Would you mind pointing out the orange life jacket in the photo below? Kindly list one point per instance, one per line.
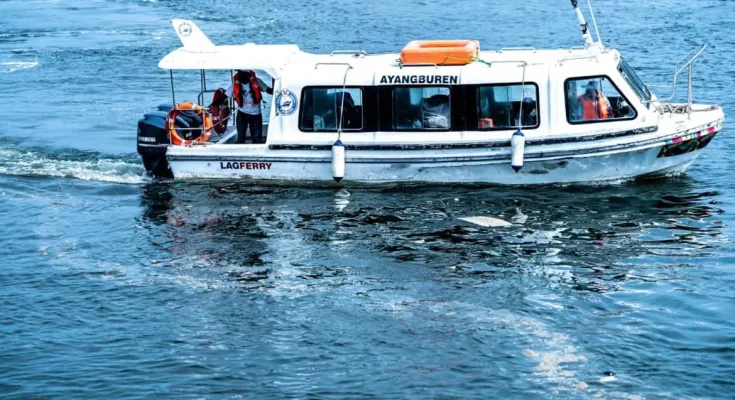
(237, 80)
(486, 123)
(589, 113)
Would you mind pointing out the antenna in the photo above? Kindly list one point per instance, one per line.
(594, 22)
(583, 25)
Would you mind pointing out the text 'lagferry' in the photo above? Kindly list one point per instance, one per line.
(244, 165)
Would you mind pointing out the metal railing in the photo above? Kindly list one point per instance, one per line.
(577, 58)
(517, 49)
(349, 52)
(686, 64)
(402, 65)
(348, 65)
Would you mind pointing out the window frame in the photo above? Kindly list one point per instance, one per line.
(635, 82)
(393, 108)
(603, 121)
(363, 127)
(476, 125)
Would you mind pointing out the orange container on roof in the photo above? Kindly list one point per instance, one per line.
(440, 52)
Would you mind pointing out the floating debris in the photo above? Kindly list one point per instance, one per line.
(608, 377)
(487, 222)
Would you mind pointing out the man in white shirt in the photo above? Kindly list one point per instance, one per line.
(247, 90)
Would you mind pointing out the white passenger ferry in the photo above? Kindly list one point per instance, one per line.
(438, 112)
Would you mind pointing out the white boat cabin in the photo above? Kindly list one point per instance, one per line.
(386, 102)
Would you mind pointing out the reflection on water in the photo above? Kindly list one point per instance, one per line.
(589, 231)
(394, 271)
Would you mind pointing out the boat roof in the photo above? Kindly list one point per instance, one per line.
(199, 53)
(269, 58)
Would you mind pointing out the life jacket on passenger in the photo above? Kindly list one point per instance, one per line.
(592, 113)
(486, 123)
(242, 77)
(220, 111)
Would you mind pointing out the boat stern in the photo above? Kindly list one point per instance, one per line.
(153, 142)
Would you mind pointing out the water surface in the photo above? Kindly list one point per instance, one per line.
(113, 285)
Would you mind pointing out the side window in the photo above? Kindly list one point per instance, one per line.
(322, 107)
(421, 108)
(596, 99)
(504, 106)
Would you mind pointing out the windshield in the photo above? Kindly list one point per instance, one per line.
(635, 82)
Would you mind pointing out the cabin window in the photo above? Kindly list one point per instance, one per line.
(322, 107)
(421, 108)
(507, 106)
(634, 81)
(596, 99)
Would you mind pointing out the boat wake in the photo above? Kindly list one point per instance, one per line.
(13, 66)
(75, 164)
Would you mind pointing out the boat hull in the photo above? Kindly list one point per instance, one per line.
(601, 168)
(650, 154)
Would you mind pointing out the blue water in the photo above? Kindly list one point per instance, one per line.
(115, 286)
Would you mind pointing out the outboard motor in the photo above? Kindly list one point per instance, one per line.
(153, 141)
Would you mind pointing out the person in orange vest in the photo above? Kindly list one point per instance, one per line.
(593, 105)
(247, 90)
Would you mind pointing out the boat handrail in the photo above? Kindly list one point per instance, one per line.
(521, 48)
(401, 65)
(686, 64)
(348, 65)
(353, 52)
(200, 97)
(577, 58)
(522, 63)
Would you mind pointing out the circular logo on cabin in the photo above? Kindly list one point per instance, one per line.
(286, 102)
(185, 29)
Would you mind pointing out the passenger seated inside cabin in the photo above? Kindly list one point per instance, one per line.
(527, 112)
(436, 112)
(322, 109)
(593, 104)
(600, 101)
(421, 108)
(500, 106)
(351, 114)
(325, 113)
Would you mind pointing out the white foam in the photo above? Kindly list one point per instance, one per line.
(557, 359)
(24, 163)
(12, 66)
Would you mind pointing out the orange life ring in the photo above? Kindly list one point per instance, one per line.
(220, 117)
(440, 52)
(177, 139)
(220, 111)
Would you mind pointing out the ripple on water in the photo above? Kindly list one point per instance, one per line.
(113, 285)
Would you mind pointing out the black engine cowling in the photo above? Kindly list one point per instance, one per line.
(153, 141)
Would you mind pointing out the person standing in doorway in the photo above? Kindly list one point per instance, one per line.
(247, 90)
